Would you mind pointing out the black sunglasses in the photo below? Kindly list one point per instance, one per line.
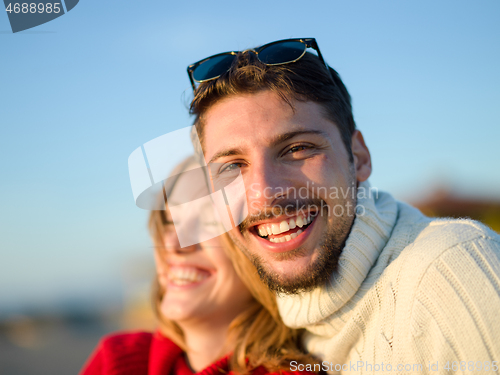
(284, 51)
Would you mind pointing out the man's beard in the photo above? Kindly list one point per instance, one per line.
(330, 247)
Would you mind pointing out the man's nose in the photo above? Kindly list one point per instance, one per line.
(265, 185)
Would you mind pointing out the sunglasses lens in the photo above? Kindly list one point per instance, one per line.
(213, 67)
(281, 53)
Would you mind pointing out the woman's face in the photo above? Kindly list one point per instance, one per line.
(201, 284)
(200, 281)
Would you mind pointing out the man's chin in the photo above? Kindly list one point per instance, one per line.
(298, 270)
(293, 272)
(289, 266)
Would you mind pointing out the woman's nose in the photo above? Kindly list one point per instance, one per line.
(172, 244)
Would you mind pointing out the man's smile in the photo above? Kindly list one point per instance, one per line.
(283, 234)
(284, 230)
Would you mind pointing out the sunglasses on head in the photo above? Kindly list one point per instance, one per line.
(284, 51)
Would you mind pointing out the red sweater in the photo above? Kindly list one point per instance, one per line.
(143, 353)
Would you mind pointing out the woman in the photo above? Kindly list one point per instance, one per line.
(215, 315)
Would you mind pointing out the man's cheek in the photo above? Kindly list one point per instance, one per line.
(236, 235)
(240, 241)
(254, 206)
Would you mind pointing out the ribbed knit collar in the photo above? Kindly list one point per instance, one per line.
(369, 234)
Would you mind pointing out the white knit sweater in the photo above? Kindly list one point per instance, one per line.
(409, 290)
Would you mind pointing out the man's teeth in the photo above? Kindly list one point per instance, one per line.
(286, 238)
(278, 228)
(184, 276)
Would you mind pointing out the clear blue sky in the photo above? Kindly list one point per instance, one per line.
(79, 94)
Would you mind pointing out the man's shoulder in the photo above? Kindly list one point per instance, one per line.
(440, 235)
(429, 242)
(448, 257)
(459, 230)
(416, 234)
(451, 276)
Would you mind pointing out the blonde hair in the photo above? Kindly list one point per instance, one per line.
(257, 336)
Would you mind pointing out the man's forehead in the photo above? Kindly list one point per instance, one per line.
(265, 105)
(239, 120)
(243, 145)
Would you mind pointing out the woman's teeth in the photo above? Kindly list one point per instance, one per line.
(185, 275)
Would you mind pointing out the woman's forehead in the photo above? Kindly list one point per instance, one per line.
(190, 185)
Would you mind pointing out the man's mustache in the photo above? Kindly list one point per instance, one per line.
(285, 207)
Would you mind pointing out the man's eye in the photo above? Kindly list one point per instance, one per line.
(230, 168)
(297, 149)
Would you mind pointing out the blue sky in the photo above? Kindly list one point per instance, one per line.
(80, 93)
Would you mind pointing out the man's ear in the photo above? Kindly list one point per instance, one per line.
(362, 158)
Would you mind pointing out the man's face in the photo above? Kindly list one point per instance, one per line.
(300, 184)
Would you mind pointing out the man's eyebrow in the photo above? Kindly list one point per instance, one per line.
(280, 138)
(230, 152)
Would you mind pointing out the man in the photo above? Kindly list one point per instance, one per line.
(377, 285)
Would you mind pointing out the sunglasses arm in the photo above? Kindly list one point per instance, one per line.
(316, 47)
(190, 74)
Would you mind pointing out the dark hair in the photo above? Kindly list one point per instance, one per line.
(304, 80)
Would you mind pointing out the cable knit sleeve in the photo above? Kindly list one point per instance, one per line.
(455, 313)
